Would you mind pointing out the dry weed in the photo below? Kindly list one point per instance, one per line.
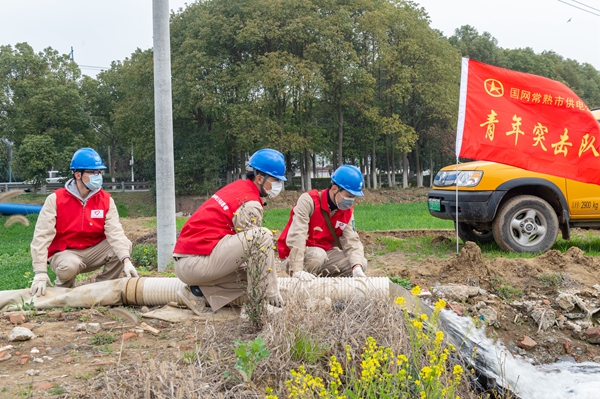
(208, 370)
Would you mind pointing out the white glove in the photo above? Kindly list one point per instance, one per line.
(304, 276)
(129, 269)
(358, 272)
(276, 300)
(38, 286)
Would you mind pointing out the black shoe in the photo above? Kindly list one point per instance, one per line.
(194, 289)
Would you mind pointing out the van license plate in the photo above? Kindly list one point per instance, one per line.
(434, 204)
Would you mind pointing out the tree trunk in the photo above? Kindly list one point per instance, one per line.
(393, 166)
(387, 163)
(307, 169)
(373, 163)
(366, 167)
(404, 170)
(431, 169)
(419, 167)
(302, 172)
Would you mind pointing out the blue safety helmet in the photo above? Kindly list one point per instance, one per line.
(86, 158)
(350, 179)
(270, 162)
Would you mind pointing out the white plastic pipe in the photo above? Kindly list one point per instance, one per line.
(157, 291)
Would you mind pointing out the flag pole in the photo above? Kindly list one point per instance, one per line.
(464, 74)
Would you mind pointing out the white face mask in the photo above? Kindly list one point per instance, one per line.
(95, 182)
(276, 187)
(345, 204)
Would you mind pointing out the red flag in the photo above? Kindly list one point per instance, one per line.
(527, 121)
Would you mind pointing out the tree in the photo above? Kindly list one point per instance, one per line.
(40, 96)
(34, 158)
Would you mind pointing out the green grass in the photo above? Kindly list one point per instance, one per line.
(416, 248)
(368, 217)
(16, 271)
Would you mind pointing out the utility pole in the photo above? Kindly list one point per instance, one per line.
(163, 116)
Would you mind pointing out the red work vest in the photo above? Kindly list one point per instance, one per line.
(213, 220)
(319, 234)
(79, 226)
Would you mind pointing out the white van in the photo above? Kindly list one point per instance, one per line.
(54, 177)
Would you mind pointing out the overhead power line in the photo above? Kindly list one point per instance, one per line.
(579, 8)
(585, 5)
(99, 68)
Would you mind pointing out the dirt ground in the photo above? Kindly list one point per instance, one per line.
(554, 299)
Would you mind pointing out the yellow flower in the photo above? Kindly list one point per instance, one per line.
(416, 290)
(235, 213)
(439, 305)
(424, 317)
(249, 238)
(400, 300)
(270, 269)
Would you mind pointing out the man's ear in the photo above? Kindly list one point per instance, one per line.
(77, 175)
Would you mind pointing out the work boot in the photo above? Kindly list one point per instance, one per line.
(194, 303)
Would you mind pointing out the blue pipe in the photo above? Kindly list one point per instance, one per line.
(9, 208)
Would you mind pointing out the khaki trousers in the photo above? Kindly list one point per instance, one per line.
(332, 263)
(69, 263)
(222, 275)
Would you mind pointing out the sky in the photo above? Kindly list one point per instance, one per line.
(540, 24)
(102, 31)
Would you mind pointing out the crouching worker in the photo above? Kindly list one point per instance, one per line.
(211, 253)
(78, 230)
(320, 238)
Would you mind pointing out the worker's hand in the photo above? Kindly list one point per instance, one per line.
(304, 276)
(129, 269)
(276, 300)
(38, 286)
(358, 271)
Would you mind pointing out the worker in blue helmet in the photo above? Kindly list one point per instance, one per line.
(78, 230)
(320, 238)
(212, 252)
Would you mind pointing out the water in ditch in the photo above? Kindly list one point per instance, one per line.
(515, 376)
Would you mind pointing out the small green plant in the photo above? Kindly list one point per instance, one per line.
(189, 357)
(84, 318)
(505, 291)
(106, 349)
(67, 309)
(27, 306)
(248, 355)
(102, 339)
(25, 392)
(56, 390)
(306, 348)
(552, 279)
(402, 282)
(145, 256)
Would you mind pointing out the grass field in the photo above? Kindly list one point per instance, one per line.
(369, 217)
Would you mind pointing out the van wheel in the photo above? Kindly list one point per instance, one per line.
(525, 224)
(466, 232)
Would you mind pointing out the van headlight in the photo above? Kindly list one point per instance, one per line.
(466, 178)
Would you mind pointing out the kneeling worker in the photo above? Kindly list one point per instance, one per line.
(320, 238)
(212, 250)
(78, 230)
